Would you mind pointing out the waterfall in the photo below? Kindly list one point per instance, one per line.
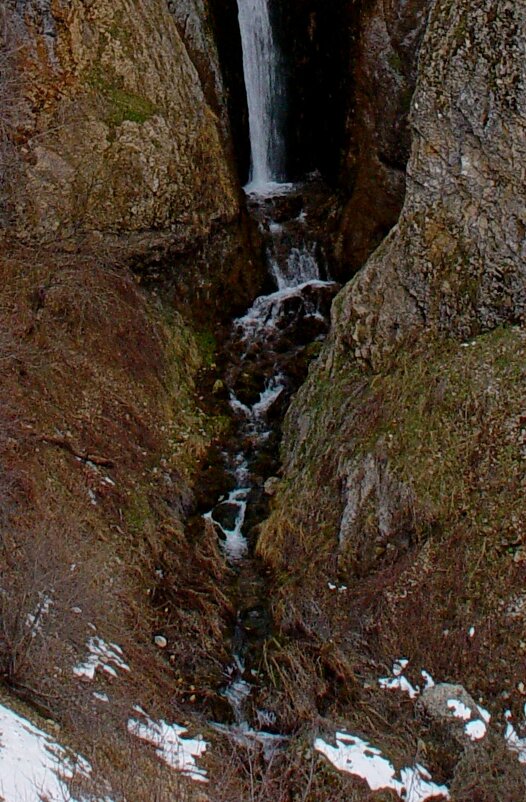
(265, 89)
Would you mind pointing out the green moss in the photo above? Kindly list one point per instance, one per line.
(207, 345)
(120, 105)
(138, 514)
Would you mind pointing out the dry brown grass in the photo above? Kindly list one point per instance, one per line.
(99, 438)
(448, 423)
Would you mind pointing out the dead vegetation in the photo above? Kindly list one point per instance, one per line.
(446, 423)
(100, 434)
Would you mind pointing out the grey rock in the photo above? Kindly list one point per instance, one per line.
(436, 702)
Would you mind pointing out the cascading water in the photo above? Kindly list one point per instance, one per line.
(265, 88)
(266, 354)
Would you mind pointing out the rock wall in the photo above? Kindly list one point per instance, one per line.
(119, 133)
(351, 77)
(455, 262)
(385, 43)
(397, 520)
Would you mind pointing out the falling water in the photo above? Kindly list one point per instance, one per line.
(265, 94)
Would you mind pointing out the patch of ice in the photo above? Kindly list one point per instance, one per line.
(471, 632)
(237, 693)
(418, 785)
(476, 729)
(484, 714)
(459, 709)
(32, 766)
(178, 752)
(244, 735)
(102, 697)
(107, 657)
(356, 756)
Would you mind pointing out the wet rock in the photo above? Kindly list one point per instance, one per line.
(226, 515)
(385, 58)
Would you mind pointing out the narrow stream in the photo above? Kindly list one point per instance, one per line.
(267, 356)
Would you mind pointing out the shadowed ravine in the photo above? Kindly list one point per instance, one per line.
(265, 358)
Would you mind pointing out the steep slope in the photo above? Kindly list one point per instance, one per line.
(119, 140)
(403, 453)
(119, 137)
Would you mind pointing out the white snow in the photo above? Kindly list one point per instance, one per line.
(484, 714)
(459, 709)
(356, 756)
(514, 742)
(178, 752)
(429, 682)
(32, 765)
(107, 657)
(398, 682)
(476, 729)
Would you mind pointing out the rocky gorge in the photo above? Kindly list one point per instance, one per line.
(257, 543)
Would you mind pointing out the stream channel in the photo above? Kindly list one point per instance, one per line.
(267, 357)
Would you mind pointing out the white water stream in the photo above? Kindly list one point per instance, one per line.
(268, 328)
(265, 88)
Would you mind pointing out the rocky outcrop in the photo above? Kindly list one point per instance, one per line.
(384, 57)
(115, 128)
(455, 262)
(396, 528)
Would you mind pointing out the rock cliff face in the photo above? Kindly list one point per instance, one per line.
(120, 133)
(352, 73)
(455, 262)
(385, 43)
(403, 451)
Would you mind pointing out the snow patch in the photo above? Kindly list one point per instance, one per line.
(476, 729)
(398, 681)
(107, 657)
(32, 766)
(356, 756)
(459, 709)
(178, 752)
(514, 741)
